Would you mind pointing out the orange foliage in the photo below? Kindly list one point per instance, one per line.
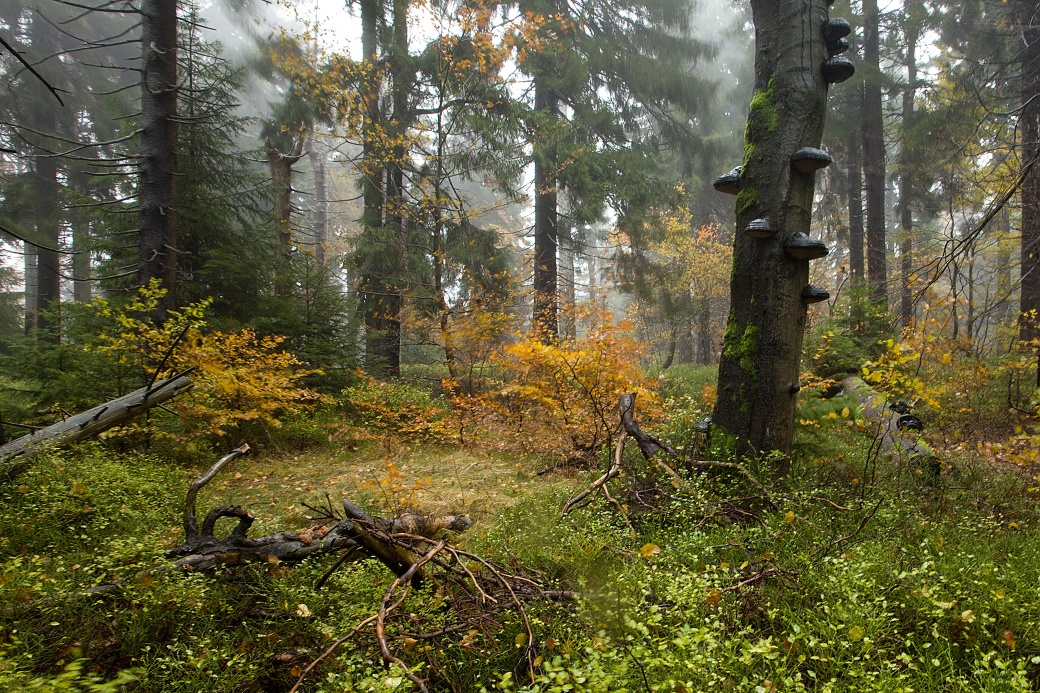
(239, 378)
(562, 398)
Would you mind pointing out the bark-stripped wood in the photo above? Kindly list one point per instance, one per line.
(94, 421)
(904, 445)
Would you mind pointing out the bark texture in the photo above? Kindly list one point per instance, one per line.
(546, 224)
(762, 347)
(94, 421)
(1029, 145)
(874, 156)
(157, 230)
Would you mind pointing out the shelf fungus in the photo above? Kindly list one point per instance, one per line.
(802, 247)
(837, 70)
(837, 47)
(836, 28)
(809, 159)
(760, 228)
(815, 294)
(730, 182)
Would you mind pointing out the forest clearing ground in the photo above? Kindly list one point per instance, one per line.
(388, 479)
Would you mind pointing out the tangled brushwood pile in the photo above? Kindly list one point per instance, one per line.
(474, 591)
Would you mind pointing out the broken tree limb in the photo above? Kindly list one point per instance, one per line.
(357, 531)
(904, 445)
(612, 471)
(648, 444)
(94, 421)
(191, 525)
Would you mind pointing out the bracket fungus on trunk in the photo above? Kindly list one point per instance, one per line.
(760, 228)
(729, 183)
(815, 294)
(810, 159)
(837, 47)
(836, 28)
(837, 70)
(801, 247)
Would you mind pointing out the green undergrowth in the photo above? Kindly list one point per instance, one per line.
(855, 574)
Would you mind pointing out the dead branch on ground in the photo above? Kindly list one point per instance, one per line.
(94, 421)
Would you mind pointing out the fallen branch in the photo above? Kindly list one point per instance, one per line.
(477, 591)
(612, 471)
(384, 609)
(202, 550)
(97, 420)
(648, 444)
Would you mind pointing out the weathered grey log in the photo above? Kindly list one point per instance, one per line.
(901, 445)
(94, 421)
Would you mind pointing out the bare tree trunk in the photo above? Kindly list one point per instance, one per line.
(372, 281)
(906, 209)
(705, 352)
(855, 170)
(546, 225)
(874, 156)
(94, 421)
(1029, 147)
(280, 165)
(32, 294)
(157, 231)
(762, 350)
(81, 268)
(569, 317)
(1004, 288)
(47, 193)
(317, 152)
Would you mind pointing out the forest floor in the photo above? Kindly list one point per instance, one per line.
(855, 574)
(388, 478)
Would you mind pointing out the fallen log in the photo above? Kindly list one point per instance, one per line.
(94, 421)
(902, 444)
(356, 529)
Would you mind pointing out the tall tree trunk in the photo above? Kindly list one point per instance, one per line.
(704, 341)
(673, 339)
(157, 230)
(874, 156)
(317, 152)
(81, 244)
(32, 301)
(568, 297)
(906, 208)
(280, 164)
(401, 73)
(1004, 288)
(1029, 146)
(371, 281)
(855, 171)
(48, 225)
(762, 348)
(47, 192)
(546, 230)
